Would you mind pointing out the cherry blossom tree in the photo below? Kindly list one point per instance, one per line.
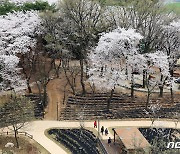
(32, 1)
(18, 31)
(108, 61)
(170, 45)
(117, 58)
(147, 17)
(160, 61)
(85, 20)
(18, 35)
(136, 65)
(9, 75)
(157, 72)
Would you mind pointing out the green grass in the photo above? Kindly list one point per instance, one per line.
(175, 7)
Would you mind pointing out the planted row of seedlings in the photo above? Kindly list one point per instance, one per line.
(159, 138)
(76, 140)
(117, 111)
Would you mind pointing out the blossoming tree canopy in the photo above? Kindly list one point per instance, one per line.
(170, 44)
(107, 59)
(160, 60)
(17, 31)
(9, 72)
(17, 35)
(31, 1)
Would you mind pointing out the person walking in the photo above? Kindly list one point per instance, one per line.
(95, 124)
(106, 131)
(102, 130)
(109, 141)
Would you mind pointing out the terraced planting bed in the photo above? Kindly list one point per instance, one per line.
(76, 140)
(159, 139)
(94, 106)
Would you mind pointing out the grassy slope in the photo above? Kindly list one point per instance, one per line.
(174, 7)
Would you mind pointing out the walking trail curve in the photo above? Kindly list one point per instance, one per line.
(37, 129)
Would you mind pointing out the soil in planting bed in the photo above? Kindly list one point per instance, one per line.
(159, 139)
(94, 106)
(76, 140)
(27, 146)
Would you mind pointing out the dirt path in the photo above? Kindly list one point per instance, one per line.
(55, 98)
(55, 92)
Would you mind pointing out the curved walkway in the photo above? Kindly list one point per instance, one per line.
(37, 129)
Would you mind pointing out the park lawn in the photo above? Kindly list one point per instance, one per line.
(27, 145)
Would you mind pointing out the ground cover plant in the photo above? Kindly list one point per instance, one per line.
(93, 106)
(159, 139)
(76, 140)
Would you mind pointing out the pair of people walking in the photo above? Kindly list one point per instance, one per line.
(104, 131)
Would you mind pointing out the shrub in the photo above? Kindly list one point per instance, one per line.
(7, 7)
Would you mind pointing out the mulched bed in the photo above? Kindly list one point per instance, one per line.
(160, 137)
(91, 107)
(25, 146)
(76, 140)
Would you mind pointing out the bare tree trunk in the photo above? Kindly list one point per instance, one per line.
(110, 99)
(82, 77)
(148, 99)
(45, 93)
(44, 96)
(39, 90)
(15, 135)
(87, 68)
(132, 87)
(69, 82)
(29, 87)
(171, 90)
(144, 78)
(172, 95)
(161, 88)
(126, 73)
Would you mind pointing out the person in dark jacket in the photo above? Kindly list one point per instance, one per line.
(109, 141)
(102, 130)
(106, 131)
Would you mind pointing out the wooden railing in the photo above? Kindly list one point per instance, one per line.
(21, 133)
(102, 147)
